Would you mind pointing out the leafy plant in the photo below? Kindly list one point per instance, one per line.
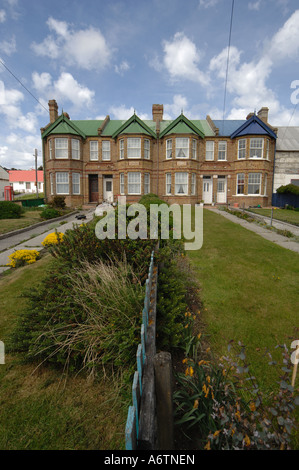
(10, 210)
(21, 257)
(49, 213)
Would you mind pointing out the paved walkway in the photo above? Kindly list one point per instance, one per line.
(32, 238)
(274, 237)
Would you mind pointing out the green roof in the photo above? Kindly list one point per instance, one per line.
(133, 125)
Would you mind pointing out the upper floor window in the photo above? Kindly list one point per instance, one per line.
(210, 150)
(194, 149)
(93, 150)
(169, 149)
(121, 149)
(106, 150)
(182, 147)
(133, 147)
(50, 148)
(241, 149)
(75, 149)
(256, 148)
(221, 150)
(147, 149)
(61, 148)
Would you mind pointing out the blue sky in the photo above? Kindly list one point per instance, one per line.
(113, 57)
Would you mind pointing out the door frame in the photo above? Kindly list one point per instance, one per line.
(222, 178)
(92, 178)
(207, 179)
(105, 180)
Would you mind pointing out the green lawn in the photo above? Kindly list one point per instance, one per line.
(249, 288)
(40, 409)
(284, 215)
(29, 217)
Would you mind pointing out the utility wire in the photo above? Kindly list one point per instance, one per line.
(227, 65)
(16, 78)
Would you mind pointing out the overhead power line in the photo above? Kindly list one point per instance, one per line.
(19, 81)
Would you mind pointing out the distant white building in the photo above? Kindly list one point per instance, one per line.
(286, 169)
(24, 181)
(4, 181)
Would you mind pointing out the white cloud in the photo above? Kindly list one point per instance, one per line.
(254, 5)
(123, 113)
(65, 88)
(174, 109)
(285, 43)
(86, 48)
(8, 47)
(122, 68)
(2, 16)
(181, 59)
(208, 3)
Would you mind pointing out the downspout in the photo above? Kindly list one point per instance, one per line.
(273, 173)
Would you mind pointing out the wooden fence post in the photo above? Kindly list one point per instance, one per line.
(163, 381)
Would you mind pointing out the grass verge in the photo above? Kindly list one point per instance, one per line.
(41, 409)
(284, 215)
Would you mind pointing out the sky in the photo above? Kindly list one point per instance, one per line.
(119, 57)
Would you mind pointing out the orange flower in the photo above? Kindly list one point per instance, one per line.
(247, 441)
(252, 406)
(195, 404)
(207, 446)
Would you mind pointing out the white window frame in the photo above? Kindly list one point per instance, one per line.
(193, 184)
(254, 148)
(146, 183)
(168, 183)
(136, 183)
(106, 150)
(240, 183)
(222, 150)
(63, 149)
(122, 183)
(50, 149)
(76, 184)
(210, 151)
(93, 150)
(168, 149)
(182, 148)
(194, 149)
(268, 150)
(254, 180)
(121, 149)
(241, 149)
(147, 149)
(51, 184)
(265, 184)
(59, 175)
(133, 147)
(180, 184)
(75, 149)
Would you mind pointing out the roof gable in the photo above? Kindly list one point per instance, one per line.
(254, 126)
(182, 125)
(63, 125)
(134, 125)
(25, 175)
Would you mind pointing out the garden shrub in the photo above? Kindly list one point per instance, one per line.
(288, 189)
(22, 257)
(52, 239)
(57, 202)
(49, 213)
(85, 318)
(10, 210)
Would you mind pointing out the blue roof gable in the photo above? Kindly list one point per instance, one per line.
(254, 126)
(227, 127)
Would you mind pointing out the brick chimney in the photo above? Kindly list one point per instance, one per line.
(53, 110)
(157, 112)
(263, 115)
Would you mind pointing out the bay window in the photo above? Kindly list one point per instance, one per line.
(61, 148)
(168, 149)
(75, 149)
(240, 183)
(256, 148)
(146, 149)
(62, 183)
(134, 182)
(133, 147)
(242, 149)
(182, 147)
(181, 184)
(76, 183)
(146, 183)
(254, 183)
(168, 183)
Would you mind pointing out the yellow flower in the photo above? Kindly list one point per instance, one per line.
(195, 404)
(198, 336)
(208, 379)
(247, 441)
(237, 415)
(252, 406)
(52, 239)
(207, 446)
(216, 433)
(184, 361)
(189, 371)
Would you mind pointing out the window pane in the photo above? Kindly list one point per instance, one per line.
(254, 183)
(209, 150)
(93, 150)
(242, 148)
(181, 183)
(134, 148)
(75, 149)
(61, 148)
(146, 183)
(222, 151)
(121, 149)
(256, 148)
(240, 183)
(169, 148)
(62, 183)
(182, 148)
(76, 183)
(106, 150)
(168, 183)
(122, 183)
(147, 149)
(134, 183)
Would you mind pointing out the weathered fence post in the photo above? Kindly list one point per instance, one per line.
(164, 406)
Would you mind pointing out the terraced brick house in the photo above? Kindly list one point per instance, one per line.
(181, 160)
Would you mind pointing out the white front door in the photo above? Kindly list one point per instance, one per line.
(221, 190)
(108, 190)
(207, 192)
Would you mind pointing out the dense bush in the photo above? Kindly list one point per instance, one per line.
(49, 213)
(288, 189)
(10, 210)
(57, 202)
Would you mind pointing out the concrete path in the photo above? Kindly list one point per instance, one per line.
(274, 237)
(32, 238)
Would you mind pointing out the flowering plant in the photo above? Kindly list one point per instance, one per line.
(22, 257)
(52, 239)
